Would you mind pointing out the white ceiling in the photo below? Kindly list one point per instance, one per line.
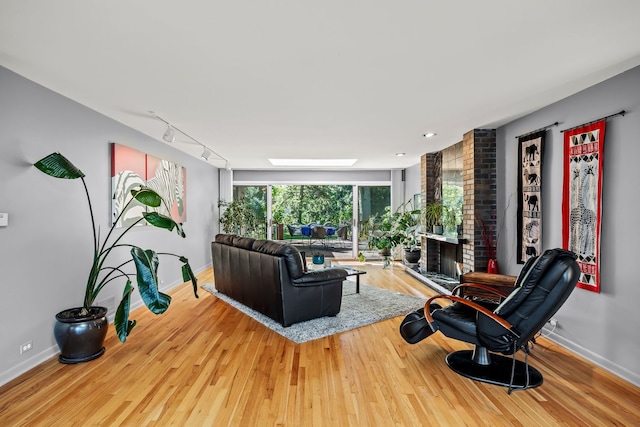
(257, 79)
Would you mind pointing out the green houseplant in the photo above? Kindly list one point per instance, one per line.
(365, 230)
(238, 217)
(434, 215)
(407, 224)
(74, 345)
(383, 236)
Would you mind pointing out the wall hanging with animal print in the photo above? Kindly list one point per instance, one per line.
(131, 168)
(530, 155)
(582, 196)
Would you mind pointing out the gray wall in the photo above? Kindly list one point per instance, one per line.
(412, 182)
(46, 250)
(602, 327)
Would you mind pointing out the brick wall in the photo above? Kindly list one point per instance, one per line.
(479, 176)
(479, 199)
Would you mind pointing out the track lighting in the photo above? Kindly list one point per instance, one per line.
(169, 134)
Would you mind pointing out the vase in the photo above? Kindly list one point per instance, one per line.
(80, 339)
(318, 259)
(492, 266)
(412, 257)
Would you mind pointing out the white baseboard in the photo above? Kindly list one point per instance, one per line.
(46, 354)
(595, 358)
(28, 364)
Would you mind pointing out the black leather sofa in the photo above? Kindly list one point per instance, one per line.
(270, 277)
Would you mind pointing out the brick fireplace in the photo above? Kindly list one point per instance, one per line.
(442, 255)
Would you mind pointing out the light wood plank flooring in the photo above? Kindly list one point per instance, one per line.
(204, 363)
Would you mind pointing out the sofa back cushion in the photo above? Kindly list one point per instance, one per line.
(226, 239)
(290, 254)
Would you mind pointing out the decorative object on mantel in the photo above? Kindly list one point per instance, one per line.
(529, 219)
(80, 331)
(490, 245)
(433, 215)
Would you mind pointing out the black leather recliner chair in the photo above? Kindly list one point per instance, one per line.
(543, 285)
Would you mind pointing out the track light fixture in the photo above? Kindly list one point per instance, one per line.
(169, 136)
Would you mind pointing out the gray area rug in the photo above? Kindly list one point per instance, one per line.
(371, 305)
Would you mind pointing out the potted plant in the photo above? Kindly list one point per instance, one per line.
(80, 331)
(383, 236)
(433, 216)
(408, 225)
(238, 217)
(365, 230)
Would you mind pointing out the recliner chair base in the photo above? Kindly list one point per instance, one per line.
(497, 372)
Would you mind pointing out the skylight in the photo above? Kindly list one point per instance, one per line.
(313, 162)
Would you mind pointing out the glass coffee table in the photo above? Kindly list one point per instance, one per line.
(350, 272)
(354, 272)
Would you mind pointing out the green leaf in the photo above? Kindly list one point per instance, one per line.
(147, 197)
(187, 274)
(147, 276)
(121, 321)
(58, 166)
(163, 221)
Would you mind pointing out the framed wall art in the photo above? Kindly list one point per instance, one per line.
(131, 168)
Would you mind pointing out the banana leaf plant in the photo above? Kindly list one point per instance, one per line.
(146, 261)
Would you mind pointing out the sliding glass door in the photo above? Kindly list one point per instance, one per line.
(286, 210)
(371, 203)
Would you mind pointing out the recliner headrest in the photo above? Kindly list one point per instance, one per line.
(528, 279)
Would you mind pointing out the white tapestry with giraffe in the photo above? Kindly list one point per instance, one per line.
(581, 208)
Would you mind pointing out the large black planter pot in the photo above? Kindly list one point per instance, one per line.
(80, 339)
(412, 257)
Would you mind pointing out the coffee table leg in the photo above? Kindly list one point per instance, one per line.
(357, 283)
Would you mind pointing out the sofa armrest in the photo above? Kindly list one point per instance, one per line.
(320, 277)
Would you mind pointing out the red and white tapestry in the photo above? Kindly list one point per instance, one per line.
(582, 199)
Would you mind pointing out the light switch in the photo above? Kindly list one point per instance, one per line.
(4, 219)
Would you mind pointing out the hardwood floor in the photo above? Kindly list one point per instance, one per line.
(204, 363)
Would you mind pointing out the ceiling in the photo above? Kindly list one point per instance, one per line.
(254, 79)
